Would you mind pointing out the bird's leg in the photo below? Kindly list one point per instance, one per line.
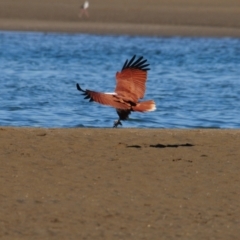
(116, 123)
(80, 13)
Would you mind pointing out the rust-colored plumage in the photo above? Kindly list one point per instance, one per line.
(130, 87)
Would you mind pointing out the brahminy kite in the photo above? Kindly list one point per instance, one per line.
(130, 87)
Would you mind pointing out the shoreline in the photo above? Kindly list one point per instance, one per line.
(217, 18)
(151, 30)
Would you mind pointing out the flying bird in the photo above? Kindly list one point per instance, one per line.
(130, 87)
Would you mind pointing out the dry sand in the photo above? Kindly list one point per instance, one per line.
(119, 184)
(134, 17)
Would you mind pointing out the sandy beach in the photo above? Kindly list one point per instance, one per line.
(120, 183)
(216, 18)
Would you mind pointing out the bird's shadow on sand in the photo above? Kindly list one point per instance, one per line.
(163, 145)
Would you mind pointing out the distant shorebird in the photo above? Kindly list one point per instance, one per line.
(130, 87)
(83, 9)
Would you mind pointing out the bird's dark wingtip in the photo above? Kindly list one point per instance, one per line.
(79, 88)
(140, 63)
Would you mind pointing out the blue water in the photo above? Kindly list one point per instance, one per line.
(194, 81)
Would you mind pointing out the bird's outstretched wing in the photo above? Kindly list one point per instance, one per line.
(104, 98)
(131, 81)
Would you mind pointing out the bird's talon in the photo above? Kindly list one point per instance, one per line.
(116, 123)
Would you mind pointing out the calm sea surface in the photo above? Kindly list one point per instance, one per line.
(194, 81)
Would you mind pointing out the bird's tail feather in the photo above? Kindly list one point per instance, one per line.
(145, 106)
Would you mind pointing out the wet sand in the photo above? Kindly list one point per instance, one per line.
(119, 184)
(220, 18)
